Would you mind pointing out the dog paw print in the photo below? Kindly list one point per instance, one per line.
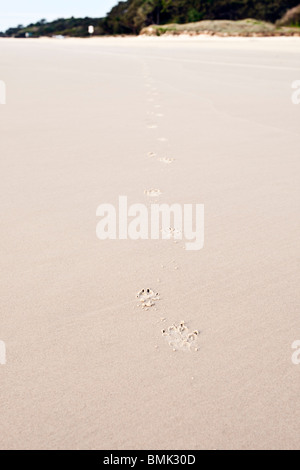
(147, 298)
(152, 192)
(171, 232)
(151, 154)
(180, 337)
(165, 160)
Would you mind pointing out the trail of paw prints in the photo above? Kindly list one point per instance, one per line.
(152, 95)
(156, 112)
(180, 338)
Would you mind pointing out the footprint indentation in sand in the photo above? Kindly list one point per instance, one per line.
(180, 337)
(151, 154)
(171, 232)
(147, 298)
(165, 160)
(152, 192)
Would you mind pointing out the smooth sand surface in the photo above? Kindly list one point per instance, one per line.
(86, 368)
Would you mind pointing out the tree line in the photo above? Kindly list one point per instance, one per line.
(129, 17)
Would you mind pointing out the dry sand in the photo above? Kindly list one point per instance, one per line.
(86, 368)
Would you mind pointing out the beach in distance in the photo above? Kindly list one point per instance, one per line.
(124, 343)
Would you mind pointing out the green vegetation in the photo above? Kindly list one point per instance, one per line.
(77, 27)
(246, 27)
(131, 16)
(291, 18)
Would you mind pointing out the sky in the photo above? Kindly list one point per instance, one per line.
(15, 12)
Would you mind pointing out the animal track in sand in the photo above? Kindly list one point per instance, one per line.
(171, 232)
(152, 192)
(180, 337)
(147, 298)
(166, 160)
(151, 154)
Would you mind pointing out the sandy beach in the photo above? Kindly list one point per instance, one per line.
(200, 120)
